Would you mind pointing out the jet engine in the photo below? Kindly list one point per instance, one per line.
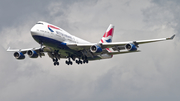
(131, 47)
(19, 55)
(95, 49)
(32, 54)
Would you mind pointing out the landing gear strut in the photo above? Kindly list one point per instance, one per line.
(56, 57)
(85, 60)
(41, 49)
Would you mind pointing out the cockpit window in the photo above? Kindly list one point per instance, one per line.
(39, 23)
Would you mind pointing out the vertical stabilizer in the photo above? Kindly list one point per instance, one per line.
(107, 37)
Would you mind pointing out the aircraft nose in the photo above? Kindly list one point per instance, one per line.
(33, 30)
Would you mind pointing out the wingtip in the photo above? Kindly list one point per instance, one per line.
(172, 37)
(8, 48)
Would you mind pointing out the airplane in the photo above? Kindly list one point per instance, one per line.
(59, 44)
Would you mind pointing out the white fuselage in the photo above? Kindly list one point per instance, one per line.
(56, 38)
(41, 29)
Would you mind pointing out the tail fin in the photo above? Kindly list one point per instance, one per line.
(107, 37)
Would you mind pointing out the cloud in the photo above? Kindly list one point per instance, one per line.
(163, 13)
(149, 75)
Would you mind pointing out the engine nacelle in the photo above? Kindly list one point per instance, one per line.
(95, 49)
(19, 55)
(131, 47)
(32, 54)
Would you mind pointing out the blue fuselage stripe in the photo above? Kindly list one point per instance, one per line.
(50, 42)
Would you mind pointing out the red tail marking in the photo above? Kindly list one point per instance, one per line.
(109, 33)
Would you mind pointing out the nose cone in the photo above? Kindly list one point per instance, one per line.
(35, 33)
(33, 30)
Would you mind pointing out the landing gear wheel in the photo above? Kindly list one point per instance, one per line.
(69, 62)
(54, 63)
(86, 61)
(57, 63)
(54, 60)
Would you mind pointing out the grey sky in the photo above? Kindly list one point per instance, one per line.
(152, 75)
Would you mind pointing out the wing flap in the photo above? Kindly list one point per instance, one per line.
(79, 47)
(122, 52)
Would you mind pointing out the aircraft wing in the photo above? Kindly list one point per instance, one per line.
(110, 45)
(122, 52)
(115, 45)
(22, 50)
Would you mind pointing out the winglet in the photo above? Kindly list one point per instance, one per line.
(172, 37)
(8, 48)
(12, 50)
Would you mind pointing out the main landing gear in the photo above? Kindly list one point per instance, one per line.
(55, 57)
(79, 61)
(69, 62)
(55, 61)
(84, 60)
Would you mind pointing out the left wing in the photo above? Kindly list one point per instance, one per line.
(22, 50)
(32, 52)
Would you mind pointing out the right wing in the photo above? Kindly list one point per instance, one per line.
(122, 52)
(114, 45)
